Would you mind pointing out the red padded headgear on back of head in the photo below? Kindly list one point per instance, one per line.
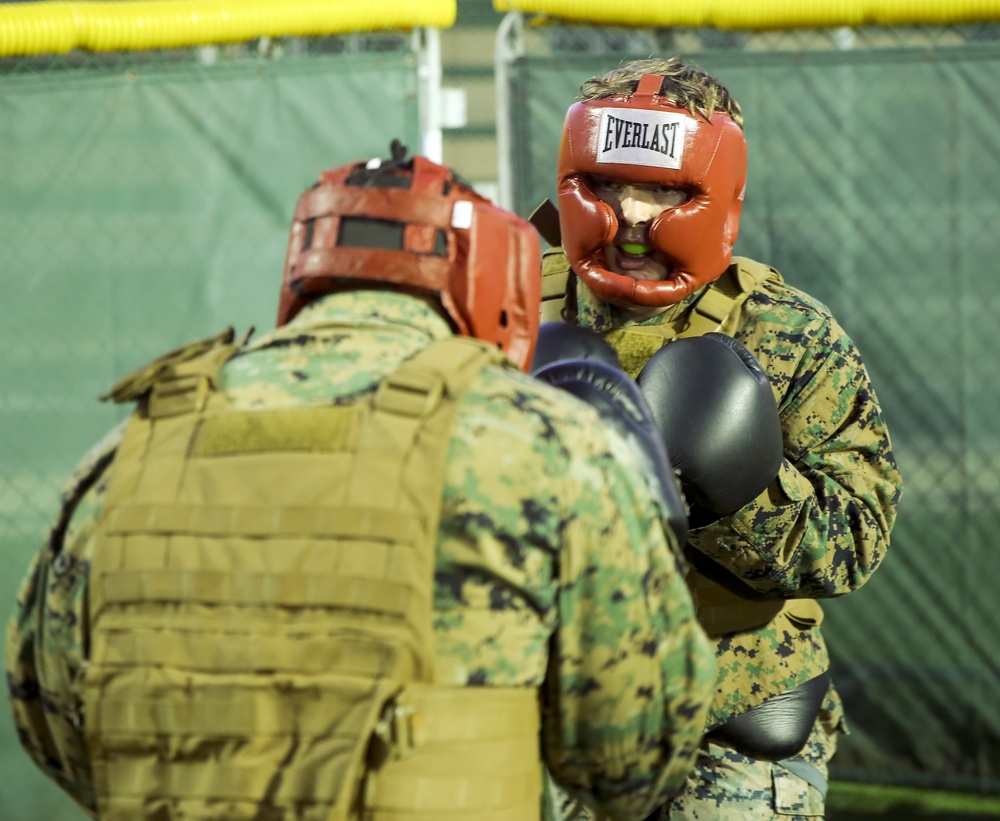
(643, 138)
(412, 224)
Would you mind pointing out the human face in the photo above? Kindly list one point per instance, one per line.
(635, 206)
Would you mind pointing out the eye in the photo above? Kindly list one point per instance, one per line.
(607, 186)
(670, 196)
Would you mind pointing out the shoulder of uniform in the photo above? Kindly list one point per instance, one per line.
(749, 273)
(214, 350)
(556, 410)
(788, 305)
(718, 306)
(85, 475)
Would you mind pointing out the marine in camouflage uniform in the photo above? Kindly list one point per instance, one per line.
(820, 532)
(822, 526)
(552, 569)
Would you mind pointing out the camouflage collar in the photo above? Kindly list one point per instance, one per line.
(603, 317)
(373, 310)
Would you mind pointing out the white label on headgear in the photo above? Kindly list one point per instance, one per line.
(461, 214)
(637, 137)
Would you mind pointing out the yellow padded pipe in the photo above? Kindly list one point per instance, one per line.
(762, 14)
(58, 27)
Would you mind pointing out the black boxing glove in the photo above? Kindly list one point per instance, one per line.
(560, 340)
(715, 411)
(620, 403)
(778, 727)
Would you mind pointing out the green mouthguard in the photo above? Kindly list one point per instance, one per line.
(634, 248)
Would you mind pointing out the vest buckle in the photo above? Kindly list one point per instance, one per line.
(413, 393)
(179, 394)
(395, 729)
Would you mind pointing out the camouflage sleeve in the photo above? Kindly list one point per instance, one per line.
(555, 572)
(47, 637)
(631, 672)
(823, 527)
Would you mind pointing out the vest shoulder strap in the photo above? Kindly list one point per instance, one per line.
(717, 308)
(545, 218)
(442, 370)
(556, 272)
(86, 474)
(178, 380)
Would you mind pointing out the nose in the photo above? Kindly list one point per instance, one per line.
(635, 212)
(637, 206)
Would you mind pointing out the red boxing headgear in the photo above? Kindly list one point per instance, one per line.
(643, 138)
(413, 224)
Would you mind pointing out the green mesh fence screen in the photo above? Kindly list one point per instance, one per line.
(145, 200)
(874, 174)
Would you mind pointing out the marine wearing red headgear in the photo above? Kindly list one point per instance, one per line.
(644, 138)
(412, 224)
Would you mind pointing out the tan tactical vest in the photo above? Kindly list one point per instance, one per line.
(720, 610)
(261, 595)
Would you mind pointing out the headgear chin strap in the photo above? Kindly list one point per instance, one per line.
(643, 138)
(412, 224)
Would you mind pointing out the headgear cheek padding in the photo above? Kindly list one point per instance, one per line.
(587, 224)
(646, 139)
(698, 236)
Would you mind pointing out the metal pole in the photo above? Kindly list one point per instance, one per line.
(509, 46)
(427, 43)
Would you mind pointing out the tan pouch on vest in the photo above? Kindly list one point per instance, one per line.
(261, 595)
(721, 611)
(469, 753)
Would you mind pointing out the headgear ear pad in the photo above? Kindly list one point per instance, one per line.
(643, 138)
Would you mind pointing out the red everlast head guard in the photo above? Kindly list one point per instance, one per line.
(645, 138)
(412, 224)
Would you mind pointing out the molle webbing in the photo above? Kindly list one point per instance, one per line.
(717, 310)
(469, 753)
(261, 596)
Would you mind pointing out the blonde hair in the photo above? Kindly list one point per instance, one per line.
(685, 85)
